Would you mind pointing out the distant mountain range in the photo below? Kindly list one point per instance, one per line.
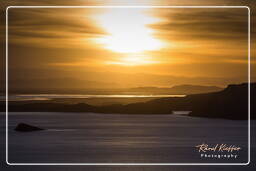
(183, 89)
(178, 89)
(67, 82)
(230, 103)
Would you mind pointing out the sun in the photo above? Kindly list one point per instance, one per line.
(128, 32)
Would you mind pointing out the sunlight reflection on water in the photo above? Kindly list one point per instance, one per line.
(25, 97)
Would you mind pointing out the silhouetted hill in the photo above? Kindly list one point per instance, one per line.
(230, 103)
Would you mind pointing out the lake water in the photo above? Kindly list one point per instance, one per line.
(119, 138)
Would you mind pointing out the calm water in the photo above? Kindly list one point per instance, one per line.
(107, 138)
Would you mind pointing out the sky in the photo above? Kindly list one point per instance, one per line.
(126, 47)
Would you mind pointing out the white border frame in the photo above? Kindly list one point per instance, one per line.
(146, 164)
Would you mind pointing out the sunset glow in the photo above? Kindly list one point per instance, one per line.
(133, 59)
(129, 47)
(127, 82)
(127, 31)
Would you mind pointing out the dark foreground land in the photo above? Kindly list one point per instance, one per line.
(230, 103)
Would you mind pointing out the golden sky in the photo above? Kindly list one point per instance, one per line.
(129, 46)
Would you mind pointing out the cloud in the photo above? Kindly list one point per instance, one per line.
(202, 24)
(51, 26)
(203, 35)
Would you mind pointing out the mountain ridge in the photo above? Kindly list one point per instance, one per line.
(230, 103)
